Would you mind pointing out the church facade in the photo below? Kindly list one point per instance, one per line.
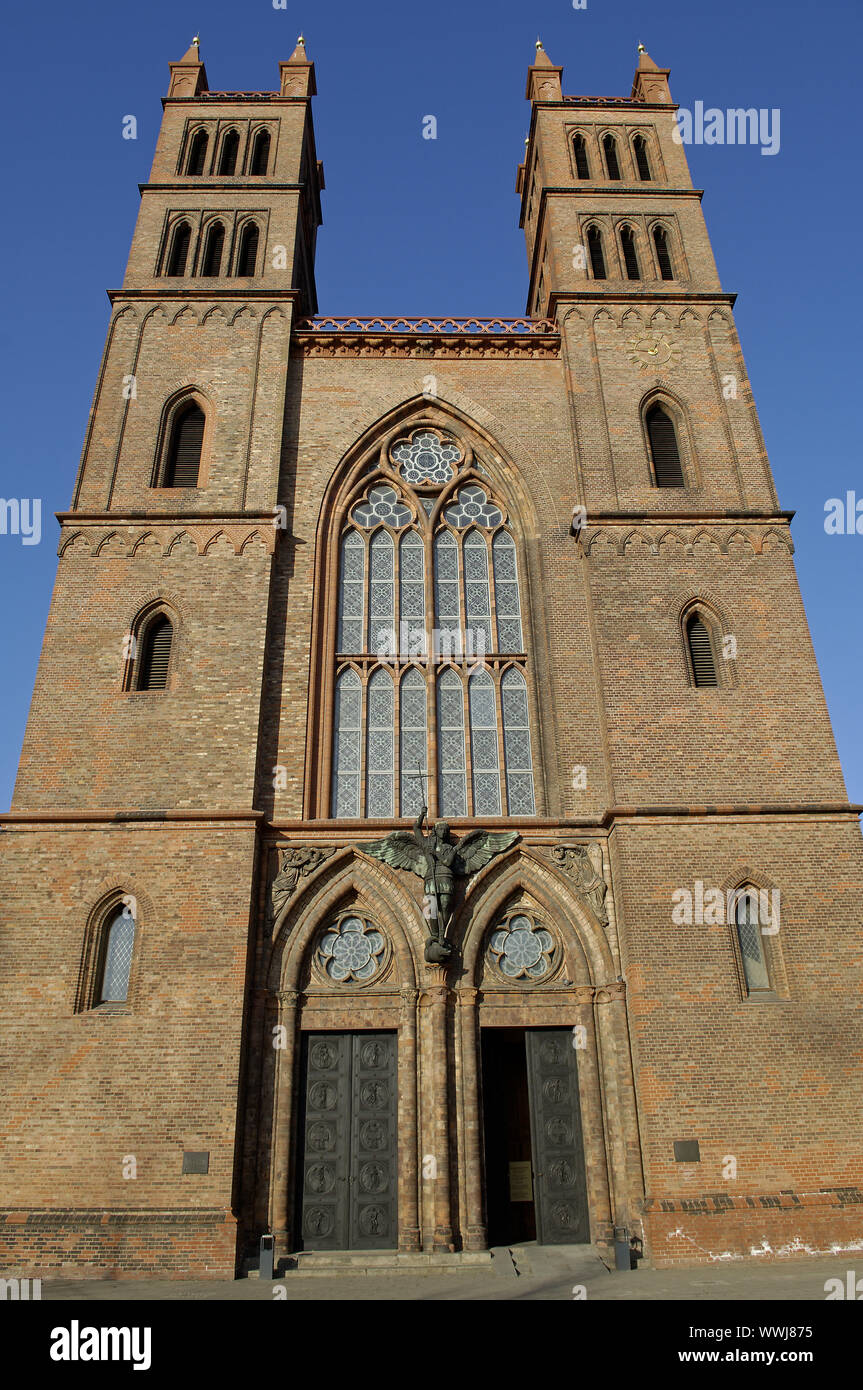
(429, 832)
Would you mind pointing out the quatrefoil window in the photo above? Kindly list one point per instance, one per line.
(424, 458)
(382, 504)
(521, 949)
(473, 508)
(352, 949)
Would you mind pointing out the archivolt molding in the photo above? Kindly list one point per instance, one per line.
(346, 879)
(167, 538)
(656, 538)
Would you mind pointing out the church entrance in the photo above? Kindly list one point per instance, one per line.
(534, 1159)
(348, 1173)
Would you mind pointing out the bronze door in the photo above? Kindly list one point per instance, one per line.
(348, 1173)
(559, 1179)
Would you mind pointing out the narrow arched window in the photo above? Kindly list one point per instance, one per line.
(197, 154)
(380, 745)
(748, 924)
(155, 654)
(213, 248)
(516, 744)
(700, 651)
(664, 452)
(485, 759)
(452, 771)
(639, 146)
(382, 595)
(663, 257)
(260, 154)
(609, 145)
(597, 257)
(228, 156)
(582, 167)
(117, 959)
(179, 251)
(506, 596)
(248, 254)
(414, 740)
(352, 589)
(347, 751)
(630, 256)
(185, 442)
(477, 594)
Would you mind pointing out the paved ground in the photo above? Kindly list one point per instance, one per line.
(523, 1273)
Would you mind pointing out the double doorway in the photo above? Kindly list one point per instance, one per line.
(534, 1167)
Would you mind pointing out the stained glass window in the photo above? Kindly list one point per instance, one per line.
(118, 958)
(452, 773)
(380, 745)
(483, 745)
(346, 753)
(516, 744)
(436, 609)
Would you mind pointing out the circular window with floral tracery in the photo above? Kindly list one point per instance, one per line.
(351, 949)
(522, 949)
(426, 458)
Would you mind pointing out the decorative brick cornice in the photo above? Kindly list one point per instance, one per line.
(125, 534)
(614, 537)
(427, 337)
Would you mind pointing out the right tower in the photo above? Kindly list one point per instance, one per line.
(734, 850)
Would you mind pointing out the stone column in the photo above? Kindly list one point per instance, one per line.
(281, 1182)
(620, 1118)
(438, 996)
(408, 1137)
(475, 1230)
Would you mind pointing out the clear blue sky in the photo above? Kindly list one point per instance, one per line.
(420, 226)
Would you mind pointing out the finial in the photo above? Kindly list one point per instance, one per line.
(301, 40)
(641, 48)
(196, 41)
(526, 141)
(538, 44)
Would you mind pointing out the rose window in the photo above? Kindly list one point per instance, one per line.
(353, 949)
(382, 504)
(472, 507)
(521, 949)
(426, 459)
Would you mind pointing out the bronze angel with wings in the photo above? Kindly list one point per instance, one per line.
(437, 861)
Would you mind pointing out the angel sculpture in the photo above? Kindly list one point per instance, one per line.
(437, 861)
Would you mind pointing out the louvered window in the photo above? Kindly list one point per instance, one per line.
(213, 249)
(630, 256)
(701, 652)
(248, 250)
(155, 655)
(611, 164)
(179, 250)
(197, 154)
(750, 938)
(660, 241)
(639, 145)
(230, 149)
(260, 154)
(663, 448)
(184, 447)
(597, 259)
(114, 986)
(582, 168)
(434, 594)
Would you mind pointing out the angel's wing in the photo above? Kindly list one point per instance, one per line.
(477, 848)
(400, 850)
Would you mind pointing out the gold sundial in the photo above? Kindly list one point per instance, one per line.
(648, 350)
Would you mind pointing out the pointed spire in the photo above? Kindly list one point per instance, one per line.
(189, 76)
(650, 82)
(543, 78)
(298, 73)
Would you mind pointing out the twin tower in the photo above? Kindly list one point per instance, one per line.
(220, 1019)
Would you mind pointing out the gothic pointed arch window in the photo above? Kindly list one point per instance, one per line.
(109, 949)
(178, 252)
(609, 147)
(579, 148)
(197, 154)
(182, 444)
(642, 163)
(228, 154)
(260, 154)
(214, 246)
(664, 448)
(630, 255)
(595, 251)
(247, 256)
(430, 674)
(700, 643)
(116, 962)
(663, 254)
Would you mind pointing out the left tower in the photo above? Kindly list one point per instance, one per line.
(139, 761)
